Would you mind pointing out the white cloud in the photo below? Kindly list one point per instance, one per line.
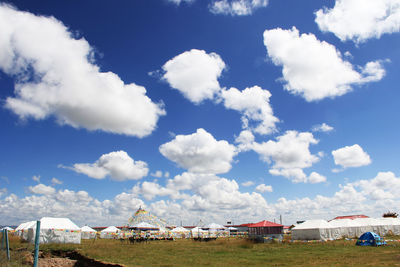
(236, 7)
(178, 2)
(166, 174)
(206, 196)
(55, 76)
(262, 188)
(291, 150)
(42, 189)
(195, 74)
(315, 178)
(245, 140)
(200, 152)
(322, 128)
(118, 165)
(289, 155)
(351, 156)
(360, 20)
(248, 183)
(3, 191)
(157, 174)
(36, 178)
(314, 69)
(254, 104)
(56, 181)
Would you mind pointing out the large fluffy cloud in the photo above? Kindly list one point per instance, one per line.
(289, 155)
(207, 197)
(56, 76)
(118, 165)
(351, 156)
(315, 69)
(359, 20)
(42, 189)
(200, 152)
(254, 104)
(195, 74)
(236, 7)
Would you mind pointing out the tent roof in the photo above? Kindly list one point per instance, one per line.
(265, 224)
(180, 229)
(145, 225)
(54, 223)
(111, 229)
(87, 229)
(351, 217)
(214, 226)
(312, 224)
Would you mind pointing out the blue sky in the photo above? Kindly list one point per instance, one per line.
(213, 110)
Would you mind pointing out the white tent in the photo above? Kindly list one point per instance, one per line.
(22, 229)
(315, 230)
(7, 228)
(180, 229)
(198, 232)
(110, 232)
(88, 233)
(55, 230)
(144, 225)
(214, 226)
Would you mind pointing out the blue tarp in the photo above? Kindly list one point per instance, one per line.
(370, 239)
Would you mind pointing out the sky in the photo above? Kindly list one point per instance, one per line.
(211, 110)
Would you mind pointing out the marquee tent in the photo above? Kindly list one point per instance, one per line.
(180, 232)
(145, 226)
(198, 232)
(55, 230)
(214, 227)
(315, 230)
(88, 233)
(143, 216)
(335, 229)
(110, 232)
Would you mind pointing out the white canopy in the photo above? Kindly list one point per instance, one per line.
(111, 229)
(180, 229)
(88, 229)
(7, 228)
(144, 225)
(55, 230)
(214, 226)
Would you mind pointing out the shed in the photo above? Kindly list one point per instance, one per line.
(264, 229)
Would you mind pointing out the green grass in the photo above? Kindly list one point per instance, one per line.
(227, 252)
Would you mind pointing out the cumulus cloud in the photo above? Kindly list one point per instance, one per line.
(36, 178)
(248, 183)
(157, 174)
(42, 189)
(118, 165)
(195, 74)
(245, 141)
(315, 178)
(262, 188)
(322, 128)
(237, 7)
(360, 20)
(254, 104)
(56, 181)
(289, 155)
(178, 2)
(206, 196)
(351, 156)
(200, 152)
(314, 69)
(56, 76)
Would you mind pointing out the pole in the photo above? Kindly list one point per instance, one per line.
(7, 244)
(36, 258)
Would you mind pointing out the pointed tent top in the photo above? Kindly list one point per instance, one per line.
(140, 211)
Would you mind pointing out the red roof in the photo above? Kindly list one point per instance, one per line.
(265, 224)
(352, 217)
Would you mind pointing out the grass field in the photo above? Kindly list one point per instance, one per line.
(223, 252)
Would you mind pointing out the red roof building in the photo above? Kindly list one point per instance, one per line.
(265, 228)
(351, 217)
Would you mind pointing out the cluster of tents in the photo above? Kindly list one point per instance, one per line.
(344, 228)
